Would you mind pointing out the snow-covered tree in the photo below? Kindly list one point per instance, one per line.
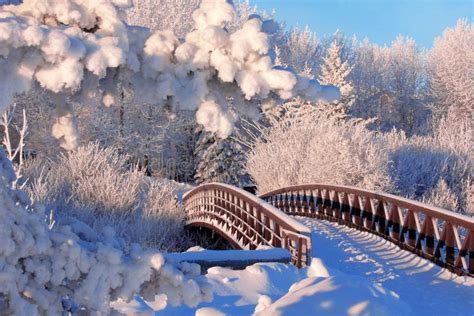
(220, 160)
(85, 50)
(390, 85)
(451, 69)
(335, 72)
(366, 76)
(300, 49)
(404, 79)
(175, 15)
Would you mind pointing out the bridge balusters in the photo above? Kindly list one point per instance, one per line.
(410, 227)
(395, 223)
(244, 217)
(293, 203)
(277, 232)
(232, 210)
(355, 211)
(368, 214)
(326, 204)
(319, 203)
(238, 214)
(312, 204)
(337, 205)
(345, 207)
(302, 199)
(305, 205)
(380, 218)
(266, 226)
(299, 253)
(467, 249)
(286, 203)
(298, 205)
(258, 225)
(289, 203)
(447, 241)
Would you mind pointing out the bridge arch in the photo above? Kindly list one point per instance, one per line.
(246, 221)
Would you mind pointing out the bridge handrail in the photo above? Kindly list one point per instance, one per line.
(455, 218)
(264, 224)
(412, 225)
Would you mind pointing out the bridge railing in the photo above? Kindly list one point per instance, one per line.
(445, 237)
(246, 221)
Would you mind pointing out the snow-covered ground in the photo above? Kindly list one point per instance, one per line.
(352, 273)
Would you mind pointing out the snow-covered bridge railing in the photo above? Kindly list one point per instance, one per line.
(445, 237)
(246, 221)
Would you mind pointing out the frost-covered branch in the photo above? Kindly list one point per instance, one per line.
(14, 152)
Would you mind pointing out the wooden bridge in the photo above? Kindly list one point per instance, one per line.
(249, 222)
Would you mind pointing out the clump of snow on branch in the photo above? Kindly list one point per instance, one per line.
(65, 129)
(84, 48)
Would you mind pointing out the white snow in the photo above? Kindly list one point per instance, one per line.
(353, 273)
(231, 256)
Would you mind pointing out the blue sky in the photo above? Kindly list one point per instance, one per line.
(378, 20)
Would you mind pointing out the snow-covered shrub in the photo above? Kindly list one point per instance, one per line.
(161, 224)
(99, 187)
(93, 177)
(309, 149)
(302, 148)
(437, 167)
(441, 196)
(48, 272)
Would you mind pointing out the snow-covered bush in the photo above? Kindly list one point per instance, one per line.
(437, 167)
(99, 187)
(90, 177)
(311, 149)
(300, 148)
(68, 268)
(161, 224)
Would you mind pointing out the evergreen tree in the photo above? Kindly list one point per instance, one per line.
(219, 160)
(335, 72)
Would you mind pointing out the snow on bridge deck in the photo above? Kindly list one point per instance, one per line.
(425, 287)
